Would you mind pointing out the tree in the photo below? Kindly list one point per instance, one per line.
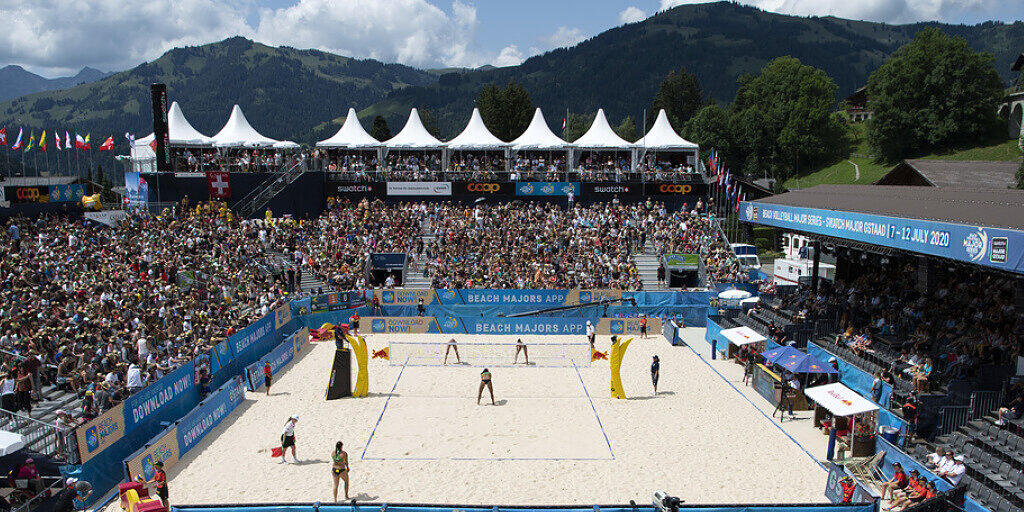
(506, 112)
(933, 93)
(1020, 170)
(379, 130)
(427, 118)
(576, 125)
(782, 122)
(709, 128)
(627, 129)
(680, 95)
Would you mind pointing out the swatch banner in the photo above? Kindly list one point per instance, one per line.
(282, 315)
(153, 398)
(626, 326)
(398, 324)
(547, 188)
(404, 297)
(210, 412)
(103, 431)
(164, 448)
(540, 298)
(257, 332)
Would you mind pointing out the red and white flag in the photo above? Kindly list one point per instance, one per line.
(3, 136)
(79, 142)
(56, 138)
(67, 141)
(219, 184)
(17, 142)
(107, 144)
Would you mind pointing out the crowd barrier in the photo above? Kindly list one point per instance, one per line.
(834, 491)
(278, 357)
(527, 326)
(377, 507)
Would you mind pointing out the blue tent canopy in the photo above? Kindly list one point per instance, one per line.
(777, 355)
(796, 361)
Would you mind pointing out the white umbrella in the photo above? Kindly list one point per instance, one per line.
(734, 294)
(10, 442)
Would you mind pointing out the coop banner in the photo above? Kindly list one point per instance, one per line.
(991, 247)
(159, 395)
(96, 435)
(522, 326)
(162, 448)
(399, 324)
(404, 297)
(210, 412)
(282, 316)
(626, 326)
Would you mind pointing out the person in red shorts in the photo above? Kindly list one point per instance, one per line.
(897, 482)
(159, 482)
(268, 374)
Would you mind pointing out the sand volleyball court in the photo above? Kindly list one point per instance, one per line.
(555, 436)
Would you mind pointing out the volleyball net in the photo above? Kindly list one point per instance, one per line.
(489, 354)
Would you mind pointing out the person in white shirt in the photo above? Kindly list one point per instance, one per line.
(134, 378)
(935, 459)
(956, 472)
(288, 438)
(591, 334)
(143, 349)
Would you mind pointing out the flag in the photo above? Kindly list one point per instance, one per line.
(565, 122)
(56, 140)
(219, 184)
(67, 140)
(42, 141)
(595, 355)
(87, 146)
(79, 142)
(17, 142)
(107, 144)
(3, 136)
(152, 144)
(31, 141)
(131, 140)
(738, 199)
(382, 353)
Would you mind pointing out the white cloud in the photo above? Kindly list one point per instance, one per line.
(412, 32)
(563, 37)
(632, 14)
(64, 35)
(890, 11)
(509, 56)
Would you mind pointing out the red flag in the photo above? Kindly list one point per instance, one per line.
(3, 136)
(219, 184)
(79, 142)
(738, 189)
(152, 145)
(56, 138)
(107, 144)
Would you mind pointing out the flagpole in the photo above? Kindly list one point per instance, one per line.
(78, 168)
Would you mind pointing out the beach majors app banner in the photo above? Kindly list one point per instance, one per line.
(163, 449)
(157, 396)
(991, 247)
(201, 420)
(98, 434)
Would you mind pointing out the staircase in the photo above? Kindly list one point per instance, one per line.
(261, 195)
(647, 266)
(40, 433)
(308, 284)
(414, 274)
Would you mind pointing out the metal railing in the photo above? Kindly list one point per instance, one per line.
(42, 437)
(979, 404)
(261, 195)
(372, 174)
(19, 504)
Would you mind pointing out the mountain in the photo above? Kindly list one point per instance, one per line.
(620, 69)
(15, 81)
(285, 92)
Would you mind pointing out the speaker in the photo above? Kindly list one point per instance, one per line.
(341, 375)
(158, 94)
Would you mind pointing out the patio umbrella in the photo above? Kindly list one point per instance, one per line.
(777, 355)
(811, 364)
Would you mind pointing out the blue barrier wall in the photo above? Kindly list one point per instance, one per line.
(376, 507)
(712, 333)
(894, 454)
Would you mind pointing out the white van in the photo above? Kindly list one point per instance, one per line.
(747, 256)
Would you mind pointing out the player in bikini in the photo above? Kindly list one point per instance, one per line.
(521, 347)
(339, 468)
(485, 381)
(455, 346)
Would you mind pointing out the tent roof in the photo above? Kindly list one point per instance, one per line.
(662, 136)
(181, 132)
(840, 400)
(350, 135)
(414, 135)
(10, 442)
(237, 132)
(539, 136)
(601, 136)
(476, 135)
(740, 336)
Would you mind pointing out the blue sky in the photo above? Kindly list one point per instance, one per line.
(61, 36)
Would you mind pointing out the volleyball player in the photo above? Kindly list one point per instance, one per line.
(485, 381)
(339, 468)
(655, 373)
(591, 334)
(520, 346)
(452, 345)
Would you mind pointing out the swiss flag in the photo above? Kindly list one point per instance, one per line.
(107, 144)
(219, 183)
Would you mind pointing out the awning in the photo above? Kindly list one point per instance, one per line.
(743, 335)
(840, 400)
(10, 442)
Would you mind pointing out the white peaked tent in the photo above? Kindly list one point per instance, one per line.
(351, 135)
(414, 136)
(538, 136)
(476, 136)
(662, 137)
(601, 136)
(237, 132)
(180, 131)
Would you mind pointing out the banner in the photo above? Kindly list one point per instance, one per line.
(626, 326)
(990, 247)
(349, 189)
(676, 189)
(545, 188)
(408, 297)
(393, 324)
(16, 195)
(419, 188)
(103, 431)
(136, 188)
(388, 261)
(257, 332)
(218, 184)
(153, 398)
(278, 358)
(210, 412)
(107, 217)
(539, 298)
(682, 261)
(525, 326)
(66, 193)
(301, 339)
(607, 191)
(485, 189)
(282, 315)
(163, 448)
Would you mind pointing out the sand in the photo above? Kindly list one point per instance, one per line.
(555, 436)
